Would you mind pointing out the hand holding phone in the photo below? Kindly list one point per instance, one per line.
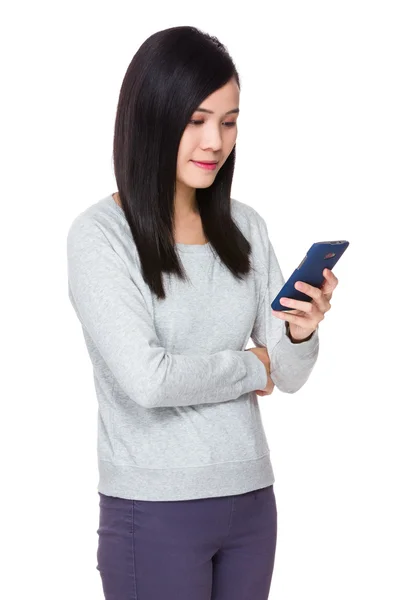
(320, 256)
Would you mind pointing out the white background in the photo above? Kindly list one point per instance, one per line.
(324, 151)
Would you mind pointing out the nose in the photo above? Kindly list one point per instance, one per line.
(212, 139)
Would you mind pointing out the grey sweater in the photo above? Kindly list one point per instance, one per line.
(178, 416)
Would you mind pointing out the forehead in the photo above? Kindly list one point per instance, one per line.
(224, 99)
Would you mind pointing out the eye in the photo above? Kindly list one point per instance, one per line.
(227, 124)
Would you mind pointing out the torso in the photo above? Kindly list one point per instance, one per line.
(185, 232)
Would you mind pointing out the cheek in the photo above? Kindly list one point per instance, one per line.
(232, 135)
(230, 142)
(189, 141)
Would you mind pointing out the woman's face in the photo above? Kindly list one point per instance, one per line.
(209, 136)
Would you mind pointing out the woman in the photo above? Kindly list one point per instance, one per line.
(170, 277)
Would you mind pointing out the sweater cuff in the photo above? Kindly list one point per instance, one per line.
(302, 349)
(256, 376)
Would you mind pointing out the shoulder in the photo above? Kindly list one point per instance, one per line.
(98, 221)
(249, 219)
(254, 228)
(83, 230)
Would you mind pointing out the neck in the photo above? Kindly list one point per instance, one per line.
(185, 203)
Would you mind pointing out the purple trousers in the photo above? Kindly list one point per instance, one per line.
(205, 549)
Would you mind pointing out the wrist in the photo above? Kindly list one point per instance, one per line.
(296, 340)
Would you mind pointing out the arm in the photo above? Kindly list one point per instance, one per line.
(112, 310)
(291, 361)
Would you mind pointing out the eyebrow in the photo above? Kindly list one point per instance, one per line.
(211, 112)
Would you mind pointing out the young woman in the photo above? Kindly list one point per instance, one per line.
(170, 277)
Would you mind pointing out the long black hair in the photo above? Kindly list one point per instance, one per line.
(170, 75)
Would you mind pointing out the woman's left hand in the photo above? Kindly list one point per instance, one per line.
(306, 316)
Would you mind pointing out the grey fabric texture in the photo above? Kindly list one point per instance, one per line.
(178, 417)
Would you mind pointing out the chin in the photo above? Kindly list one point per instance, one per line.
(204, 184)
(200, 182)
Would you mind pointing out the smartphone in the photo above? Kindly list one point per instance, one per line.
(321, 255)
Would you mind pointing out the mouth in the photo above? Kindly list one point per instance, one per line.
(206, 162)
(208, 166)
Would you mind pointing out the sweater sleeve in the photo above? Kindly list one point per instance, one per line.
(113, 311)
(291, 364)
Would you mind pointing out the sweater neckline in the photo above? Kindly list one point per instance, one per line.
(187, 248)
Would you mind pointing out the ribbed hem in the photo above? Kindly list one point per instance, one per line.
(210, 481)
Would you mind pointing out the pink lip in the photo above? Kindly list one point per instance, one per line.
(207, 166)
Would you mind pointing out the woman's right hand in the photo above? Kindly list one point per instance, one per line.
(265, 359)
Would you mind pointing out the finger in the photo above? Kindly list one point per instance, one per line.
(297, 304)
(321, 302)
(305, 322)
(330, 283)
(320, 297)
(331, 278)
(308, 289)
